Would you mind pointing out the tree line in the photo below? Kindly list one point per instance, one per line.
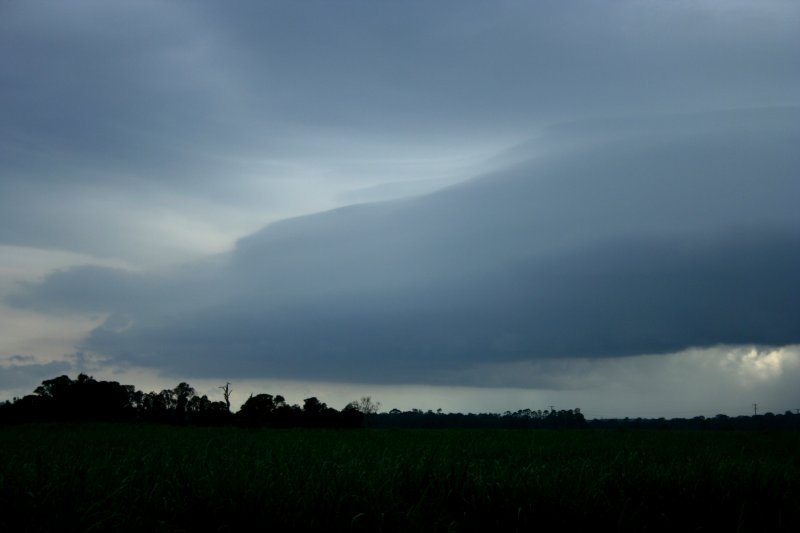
(523, 418)
(788, 421)
(86, 399)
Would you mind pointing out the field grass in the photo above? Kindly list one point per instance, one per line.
(145, 478)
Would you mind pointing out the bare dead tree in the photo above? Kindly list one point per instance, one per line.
(226, 393)
(367, 406)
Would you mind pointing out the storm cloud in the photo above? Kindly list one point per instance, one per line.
(630, 237)
(430, 193)
(152, 132)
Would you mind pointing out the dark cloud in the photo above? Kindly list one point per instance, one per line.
(87, 288)
(622, 238)
(456, 65)
(121, 293)
(116, 114)
(22, 374)
(142, 133)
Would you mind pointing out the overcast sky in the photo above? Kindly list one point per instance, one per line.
(469, 205)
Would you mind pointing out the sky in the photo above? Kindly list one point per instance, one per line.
(474, 206)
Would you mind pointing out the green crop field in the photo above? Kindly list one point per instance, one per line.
(149, 477)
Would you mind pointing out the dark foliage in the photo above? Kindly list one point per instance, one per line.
(265, 410)
(768, 421)
(524, 418)
(82, 400)
(85, 399)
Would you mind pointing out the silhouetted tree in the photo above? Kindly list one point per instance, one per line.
(226, 393)
(351, 416)
(56, 387)
(183, 394)
(367, 406)
(260, 409)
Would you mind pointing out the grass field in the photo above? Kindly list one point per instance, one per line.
(142, 478)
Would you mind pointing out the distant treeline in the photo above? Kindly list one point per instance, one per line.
(85, 399)
(767, 421)
(573, 418)
(524, 418)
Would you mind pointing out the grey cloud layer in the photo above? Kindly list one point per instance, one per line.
(134, 131)
(11, 376)
(116, 112)
(625, 237)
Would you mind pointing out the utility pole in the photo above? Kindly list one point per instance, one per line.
(755, 409)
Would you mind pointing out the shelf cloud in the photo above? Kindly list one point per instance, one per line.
(399, 192)
(628, 237)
